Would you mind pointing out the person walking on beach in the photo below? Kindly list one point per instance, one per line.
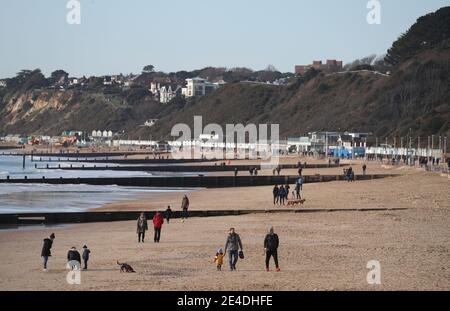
(185, 206)
(275, 192)
(298, 188)
(218, 259)
(168, 213)
(271, 243)
(287, 188)
(282, 195)
(364, 167)
(232, 246)
(85, 256)
(142, 226)
(158, 221)
(73, 258)
(46, 250)
(235, 171)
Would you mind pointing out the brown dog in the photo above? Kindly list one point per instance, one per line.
(124, 267)
(296, 202)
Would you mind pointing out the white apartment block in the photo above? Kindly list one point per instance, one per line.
(198, 87)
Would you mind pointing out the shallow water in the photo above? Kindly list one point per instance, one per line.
(27, 198)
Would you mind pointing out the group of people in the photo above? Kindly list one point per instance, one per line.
(281, 193)
(233, 246)
(158, 221)
(142, 226)
(73, 256)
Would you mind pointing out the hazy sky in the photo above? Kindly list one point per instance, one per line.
(121, 36)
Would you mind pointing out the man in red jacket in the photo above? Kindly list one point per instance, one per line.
(158, 221)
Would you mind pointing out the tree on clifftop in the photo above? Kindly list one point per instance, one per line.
(148, 69)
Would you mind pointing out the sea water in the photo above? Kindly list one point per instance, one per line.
(35, 198)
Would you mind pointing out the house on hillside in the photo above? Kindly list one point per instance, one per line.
(330, 66)
(2, 83)
(164, 93)
(198, 87)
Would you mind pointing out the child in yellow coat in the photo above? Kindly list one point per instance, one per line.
(218, 259)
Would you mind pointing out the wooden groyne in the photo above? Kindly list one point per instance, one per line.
(72, 155)
(9, 147)
(190, 181)
(178, 168)
(90, 217)
(82, 158)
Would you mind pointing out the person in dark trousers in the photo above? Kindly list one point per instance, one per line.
(349, 174)
(235, 171)
(46, 250)
(297, 191)
(287, 188)
(282, 195)
(271, 243)
(232, 246)
(85, 256)
(158, 221)
(142, 226)
(168, 213)
(275, 192)
(185, 206)
(364, 168)
(73, 257)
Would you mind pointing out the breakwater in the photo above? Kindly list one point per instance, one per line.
(177, 168)
(89, 217)
(191, 181)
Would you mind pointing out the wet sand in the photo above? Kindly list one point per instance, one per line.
(412, 188)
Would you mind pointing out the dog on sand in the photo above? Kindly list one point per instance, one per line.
(124, 267)
(296, 202)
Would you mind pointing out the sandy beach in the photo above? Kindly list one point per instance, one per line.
(318, 251)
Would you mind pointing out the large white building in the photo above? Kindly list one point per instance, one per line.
(198, 87)
(164, 93)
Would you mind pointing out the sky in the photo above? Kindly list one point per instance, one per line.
(118, 36)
